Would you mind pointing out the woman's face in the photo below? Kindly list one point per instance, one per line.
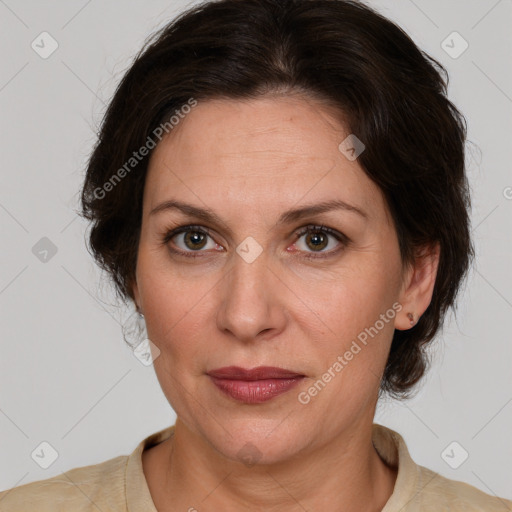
(258, 292)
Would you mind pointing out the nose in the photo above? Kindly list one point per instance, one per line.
(251, 303)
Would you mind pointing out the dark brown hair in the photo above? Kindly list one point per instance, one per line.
(389, 93)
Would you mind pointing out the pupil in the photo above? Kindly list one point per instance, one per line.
(195, 237)
(317, 239)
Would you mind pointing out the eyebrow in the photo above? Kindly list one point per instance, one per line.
(287, 217)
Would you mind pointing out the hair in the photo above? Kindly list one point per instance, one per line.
(389, 93)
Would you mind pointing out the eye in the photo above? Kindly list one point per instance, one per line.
(317, 238)
(189, 240)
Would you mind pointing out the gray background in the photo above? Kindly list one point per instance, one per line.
(66, 375)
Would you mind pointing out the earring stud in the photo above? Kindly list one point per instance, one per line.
(410, 316)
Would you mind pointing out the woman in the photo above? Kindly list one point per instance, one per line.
(279, 188)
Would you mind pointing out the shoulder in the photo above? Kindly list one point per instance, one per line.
(83, 489)
(435, 492)
(418, 488)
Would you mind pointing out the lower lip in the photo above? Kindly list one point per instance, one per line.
(255, 391)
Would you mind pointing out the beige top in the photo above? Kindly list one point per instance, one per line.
(119, 485)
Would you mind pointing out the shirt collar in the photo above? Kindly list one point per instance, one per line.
(138, 497)
(389, 445)
(393, 451)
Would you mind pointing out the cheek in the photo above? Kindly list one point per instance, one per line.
(166, 299)
(357, 324)
(351, 358)
(179, 307)
(345, 300)
(359, 330)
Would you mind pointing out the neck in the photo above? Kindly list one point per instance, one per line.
(345, 474)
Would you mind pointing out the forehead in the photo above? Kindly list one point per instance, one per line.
(282, 150)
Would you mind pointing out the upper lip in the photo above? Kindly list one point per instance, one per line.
(258, 373)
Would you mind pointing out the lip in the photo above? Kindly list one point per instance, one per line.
(256, 385)
(258, 373)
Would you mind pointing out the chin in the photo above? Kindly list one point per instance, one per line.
(260, 442)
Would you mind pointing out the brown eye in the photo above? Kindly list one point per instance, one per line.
(318, 238)
(188, 241)
(195, 239)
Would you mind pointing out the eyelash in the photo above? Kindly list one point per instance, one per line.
(170, 234)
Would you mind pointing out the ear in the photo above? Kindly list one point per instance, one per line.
(418, 287)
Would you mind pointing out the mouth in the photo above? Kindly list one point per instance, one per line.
(256, 385)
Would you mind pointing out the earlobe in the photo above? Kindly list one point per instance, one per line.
(405, 321)
(419, 287)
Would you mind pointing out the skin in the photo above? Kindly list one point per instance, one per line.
(249, 161)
